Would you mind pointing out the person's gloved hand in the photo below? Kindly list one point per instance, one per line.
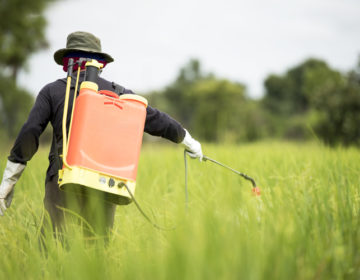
(11, 175)
(192, 146)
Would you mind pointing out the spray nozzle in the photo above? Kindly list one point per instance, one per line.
(256, 191)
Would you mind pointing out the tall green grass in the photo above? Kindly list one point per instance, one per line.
(305, 224)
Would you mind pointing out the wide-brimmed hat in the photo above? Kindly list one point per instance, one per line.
(81, 41)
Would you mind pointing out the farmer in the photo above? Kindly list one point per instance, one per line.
(48, 107)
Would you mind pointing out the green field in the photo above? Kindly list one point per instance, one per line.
(305, 224)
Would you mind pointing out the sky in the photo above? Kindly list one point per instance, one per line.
(243, 41)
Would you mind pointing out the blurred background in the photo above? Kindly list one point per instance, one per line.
(230, 71)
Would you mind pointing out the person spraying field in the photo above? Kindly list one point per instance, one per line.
(49, 107)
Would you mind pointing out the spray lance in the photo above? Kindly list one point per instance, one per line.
(255, 189)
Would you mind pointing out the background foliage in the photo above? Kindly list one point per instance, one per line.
(22, 32)
(308, 100)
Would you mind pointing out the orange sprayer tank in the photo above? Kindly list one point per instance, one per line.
(104, 143)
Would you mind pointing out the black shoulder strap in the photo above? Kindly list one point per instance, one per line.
(58, 151)
(117, 88)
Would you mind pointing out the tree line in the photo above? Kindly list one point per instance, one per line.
(22, 32)
(309, 100)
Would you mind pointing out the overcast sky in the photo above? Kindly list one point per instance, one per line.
(243, 41)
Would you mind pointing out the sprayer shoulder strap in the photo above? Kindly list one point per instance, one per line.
(118, 89)
(57, 152)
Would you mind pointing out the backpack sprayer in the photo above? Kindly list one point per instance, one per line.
(92, 160)
(102, 150)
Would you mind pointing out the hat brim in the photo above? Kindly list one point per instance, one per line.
(59, 55)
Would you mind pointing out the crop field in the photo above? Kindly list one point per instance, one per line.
(305, 224)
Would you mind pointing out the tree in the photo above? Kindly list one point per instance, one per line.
(278, 97)
(15, 104)
(177, 93)
(214, 109)
(218, 110)
(22, 27)
(290, 94)
(339, 111)
(312, 94)
(22, 32)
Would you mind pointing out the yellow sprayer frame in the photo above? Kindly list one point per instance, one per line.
(76, 178)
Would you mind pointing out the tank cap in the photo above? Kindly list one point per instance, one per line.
(89, 85)
(134, 97)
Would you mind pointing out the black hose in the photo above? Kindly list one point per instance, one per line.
(142, 211)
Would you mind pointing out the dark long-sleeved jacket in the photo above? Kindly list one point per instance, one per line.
(49, 107)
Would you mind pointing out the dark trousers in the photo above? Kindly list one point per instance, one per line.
(92, 211)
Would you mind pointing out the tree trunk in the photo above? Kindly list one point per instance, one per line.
(14, 73)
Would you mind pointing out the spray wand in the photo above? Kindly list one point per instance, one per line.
(255, 189)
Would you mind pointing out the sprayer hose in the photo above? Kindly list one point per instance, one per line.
(142, 211)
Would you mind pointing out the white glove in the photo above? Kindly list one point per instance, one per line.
(11, 175)
(192, 146)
